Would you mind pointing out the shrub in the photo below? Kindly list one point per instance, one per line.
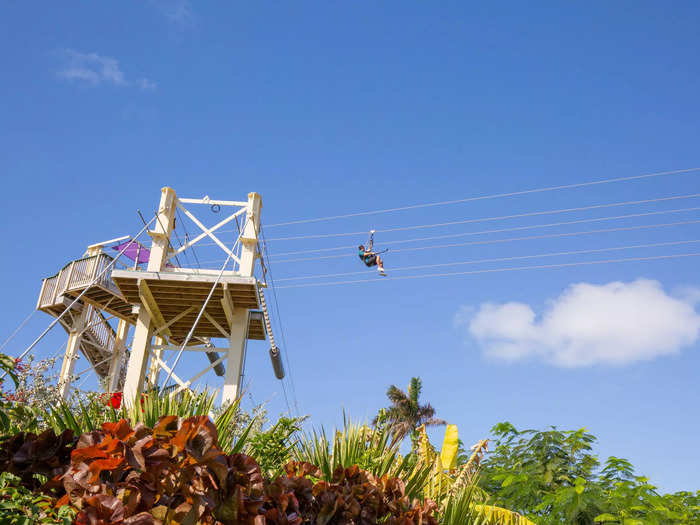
(176, 472)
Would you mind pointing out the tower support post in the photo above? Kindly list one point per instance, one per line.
(154, 367)
(71, 354)
(239, 321)
(235, 356)
(143, 333)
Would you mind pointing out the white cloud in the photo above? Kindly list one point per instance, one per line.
(94, 69)
(614, 323)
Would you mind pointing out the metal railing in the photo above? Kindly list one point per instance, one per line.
(99, 329)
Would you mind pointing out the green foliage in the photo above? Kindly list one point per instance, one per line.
(33, 391)
(272, 448)
(553, 477)
(20, 506)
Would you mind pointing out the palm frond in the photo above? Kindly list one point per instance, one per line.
(414, 390)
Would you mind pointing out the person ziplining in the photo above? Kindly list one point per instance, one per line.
(370, 257)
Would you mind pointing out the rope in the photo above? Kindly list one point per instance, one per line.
(280, 324)
(485, 219)
(97, 278)
(494, 241)
(495, 270)
(266, 316)
(500, 259)
(486, 197)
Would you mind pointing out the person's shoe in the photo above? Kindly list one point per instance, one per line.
(381, 271)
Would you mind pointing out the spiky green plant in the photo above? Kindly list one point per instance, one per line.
(89, 415)
(371, 449)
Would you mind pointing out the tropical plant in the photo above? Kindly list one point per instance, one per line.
(371, 449)
(34, 458)
(460, 509)
(176, 473)
(406, 413)
(91, 413)
(272, 448)
(20, 506)
(553, 477)
(454, 487)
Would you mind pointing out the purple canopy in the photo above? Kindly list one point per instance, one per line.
(134, 250)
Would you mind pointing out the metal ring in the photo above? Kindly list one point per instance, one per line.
(215, 208)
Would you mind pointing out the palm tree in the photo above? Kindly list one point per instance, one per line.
(406, 414)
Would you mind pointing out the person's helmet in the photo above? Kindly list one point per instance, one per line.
(360, 247)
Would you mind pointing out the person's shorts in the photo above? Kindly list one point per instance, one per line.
(371, 260)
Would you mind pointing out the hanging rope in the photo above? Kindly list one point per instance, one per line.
(266, 316)
(280, 324)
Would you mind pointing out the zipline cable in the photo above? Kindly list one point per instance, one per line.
(510, 229)
(479, 219)
(17, 330)
(501, 259)
(486, 197)
(493, 241)
(494, 270)
(80, 295)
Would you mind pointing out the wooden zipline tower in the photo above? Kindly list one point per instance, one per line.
(170, 308)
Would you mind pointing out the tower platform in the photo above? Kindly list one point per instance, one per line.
(173, 298)
(58, 291)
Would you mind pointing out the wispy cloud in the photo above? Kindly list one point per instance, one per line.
(94, 69)
(146, 84)
(179, 12)
(615, 323)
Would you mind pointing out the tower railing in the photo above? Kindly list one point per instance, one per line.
(76, 275)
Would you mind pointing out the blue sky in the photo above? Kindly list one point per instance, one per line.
(344, 107)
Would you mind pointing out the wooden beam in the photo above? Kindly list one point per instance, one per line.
(217, 325)
(227, 305)
(174, 320)
(152, 307)
(208, 232)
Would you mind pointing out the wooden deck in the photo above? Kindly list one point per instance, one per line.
(174, 298)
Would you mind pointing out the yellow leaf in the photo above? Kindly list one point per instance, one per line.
(448, 455)
(500, 516)
(425, 450)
